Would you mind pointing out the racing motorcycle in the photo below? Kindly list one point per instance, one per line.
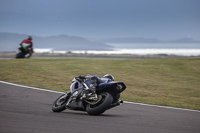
(22, 52)
(82, 97)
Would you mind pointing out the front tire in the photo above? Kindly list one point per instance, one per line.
(101, 106)
(60, 103)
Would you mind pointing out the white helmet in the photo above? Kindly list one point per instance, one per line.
(109, 76)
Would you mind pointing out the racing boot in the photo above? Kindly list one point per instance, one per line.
(94, 84)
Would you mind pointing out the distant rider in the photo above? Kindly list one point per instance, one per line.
(28, 45)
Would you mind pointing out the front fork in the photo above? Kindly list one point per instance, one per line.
(83, 96)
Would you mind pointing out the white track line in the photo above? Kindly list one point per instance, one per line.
(29, 87)
(162, 106)
(124, 101)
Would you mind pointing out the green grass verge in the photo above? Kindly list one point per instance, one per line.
(166, 82)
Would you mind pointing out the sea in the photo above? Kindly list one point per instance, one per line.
(180, 49)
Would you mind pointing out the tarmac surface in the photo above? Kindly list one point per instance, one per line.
(26, 110)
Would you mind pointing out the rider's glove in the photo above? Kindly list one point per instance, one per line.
(82, 77)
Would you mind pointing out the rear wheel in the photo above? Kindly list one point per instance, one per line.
(101, 106)
(20, 55)
(60, 103)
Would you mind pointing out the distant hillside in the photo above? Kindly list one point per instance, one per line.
(145, 40)
(185, 40)
(10, 42)
(130, 40)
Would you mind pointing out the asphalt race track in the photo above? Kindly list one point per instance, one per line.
(25, 110)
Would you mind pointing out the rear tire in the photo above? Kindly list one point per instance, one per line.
(101, 106)
(60, 103)
(20, 55)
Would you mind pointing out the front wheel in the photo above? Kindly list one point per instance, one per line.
(60, 103)
(101, 106)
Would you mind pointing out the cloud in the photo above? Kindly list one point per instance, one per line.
(139, 18)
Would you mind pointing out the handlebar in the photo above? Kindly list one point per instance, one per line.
(77, 78)
(80, 78)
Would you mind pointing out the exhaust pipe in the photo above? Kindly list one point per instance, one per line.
(115, 104)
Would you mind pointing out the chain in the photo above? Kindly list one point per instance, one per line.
(93, 103)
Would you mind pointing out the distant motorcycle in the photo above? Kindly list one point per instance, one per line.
(22, 52)
(80, 97)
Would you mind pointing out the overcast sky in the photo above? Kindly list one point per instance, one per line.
(162, 19)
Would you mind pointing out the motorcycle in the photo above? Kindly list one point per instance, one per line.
(81, 98)
(22, 52)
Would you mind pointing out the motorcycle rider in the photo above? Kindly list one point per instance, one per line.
(95, 80)
(28, 45)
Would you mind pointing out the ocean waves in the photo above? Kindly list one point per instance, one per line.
(180, 52)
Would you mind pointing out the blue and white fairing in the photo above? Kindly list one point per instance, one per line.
(114, 88)
(106, 85)
(75, 86)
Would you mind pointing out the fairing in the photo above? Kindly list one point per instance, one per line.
(114, 88)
